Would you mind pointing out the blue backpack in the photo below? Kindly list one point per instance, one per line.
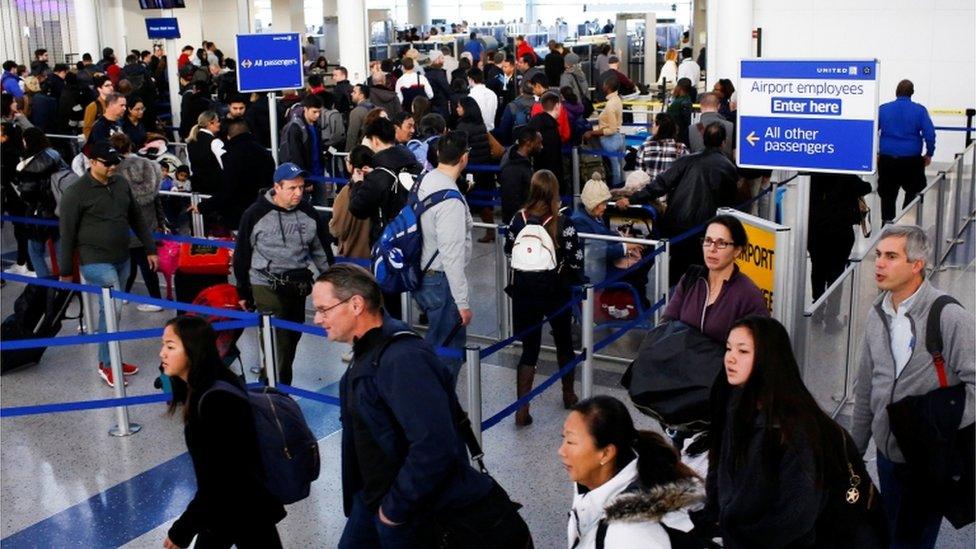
(289, 450)
(397, 253)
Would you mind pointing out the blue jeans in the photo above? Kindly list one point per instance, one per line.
(912, 525)
(104, 274)
(615, 143)
(435, 299)
(364, 529)
(37, 250)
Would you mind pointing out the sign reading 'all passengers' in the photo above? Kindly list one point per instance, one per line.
(269, 62)
(808, 115)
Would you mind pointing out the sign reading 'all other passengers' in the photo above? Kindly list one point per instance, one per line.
(269, 62)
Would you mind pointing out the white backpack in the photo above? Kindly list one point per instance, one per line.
(534, 250)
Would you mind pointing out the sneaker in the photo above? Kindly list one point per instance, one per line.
(148, 308)
(21, 270)
(127, 369)
(106, 374)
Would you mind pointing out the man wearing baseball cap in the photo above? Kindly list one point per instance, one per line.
(97, 213)
(279, 235)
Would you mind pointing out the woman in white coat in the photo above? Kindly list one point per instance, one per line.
(630, 488)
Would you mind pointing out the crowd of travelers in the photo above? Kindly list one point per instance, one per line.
(770, 470)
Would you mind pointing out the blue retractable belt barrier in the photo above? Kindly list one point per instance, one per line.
(30, 220)
(305, 393)
(536, 391)
(128, 335)
(16, 411)
(51, 283)
(217, 243)
(298, 327)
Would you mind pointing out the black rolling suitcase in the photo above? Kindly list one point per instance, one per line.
(38, 313)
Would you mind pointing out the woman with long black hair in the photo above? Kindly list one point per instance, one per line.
(470, 121)
(538, 293)
(781, 472)
(231, 505)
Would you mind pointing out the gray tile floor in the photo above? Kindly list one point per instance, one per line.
(53, 462)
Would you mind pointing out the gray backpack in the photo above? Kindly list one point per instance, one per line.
(60, 181)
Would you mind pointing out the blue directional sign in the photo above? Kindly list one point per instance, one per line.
(808, 115)
(269, 62)
(162, 27)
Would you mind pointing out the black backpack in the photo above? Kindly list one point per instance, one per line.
(289, 450)
(411, 92)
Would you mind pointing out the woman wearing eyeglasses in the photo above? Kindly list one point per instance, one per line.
(714, 296)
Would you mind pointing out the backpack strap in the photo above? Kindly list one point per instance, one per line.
(933, 336)
(462, 422)
(601, 533)
(433, 199)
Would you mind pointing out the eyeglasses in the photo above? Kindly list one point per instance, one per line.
(719, 244)
(326, 310)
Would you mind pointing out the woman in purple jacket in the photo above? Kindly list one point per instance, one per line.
(712, 298)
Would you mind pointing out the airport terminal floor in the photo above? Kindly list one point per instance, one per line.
(86, 464)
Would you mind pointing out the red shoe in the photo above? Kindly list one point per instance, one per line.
(127, 369)
(106, 374)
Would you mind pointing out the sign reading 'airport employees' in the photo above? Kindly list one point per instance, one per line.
(269, 62)
(808, 115)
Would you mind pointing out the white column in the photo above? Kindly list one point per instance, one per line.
(288, 16)
(730, 27)
(418, 12)
(698, 25)
(352, 38)
(330, 8)
(86, 25)
(244, 19)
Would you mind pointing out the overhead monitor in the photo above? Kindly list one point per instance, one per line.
(161, 4)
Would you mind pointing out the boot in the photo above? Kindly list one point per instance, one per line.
(569, 391)
(488, 216)
(524, 379)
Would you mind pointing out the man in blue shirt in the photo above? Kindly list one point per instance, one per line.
(475, 48)
(11, 80)
(904, 124)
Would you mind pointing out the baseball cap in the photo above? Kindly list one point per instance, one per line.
(288, 170)
(104, 153)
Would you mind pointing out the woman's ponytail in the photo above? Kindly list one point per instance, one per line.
(658, 462)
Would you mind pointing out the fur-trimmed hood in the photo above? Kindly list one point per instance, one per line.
(655, 503)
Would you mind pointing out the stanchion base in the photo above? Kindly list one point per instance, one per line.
(133, 429)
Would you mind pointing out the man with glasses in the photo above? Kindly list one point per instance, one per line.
(696, 186)
(97, 214)
(404, 459)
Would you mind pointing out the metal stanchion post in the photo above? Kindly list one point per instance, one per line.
(89, 311)
(406, 308)
(939, 214)
(665, 271)
(587, 320)
(960, 213)
(123, 428)
(501, 280)
(268, 350)
(196, 217)
(473, 359)
(576, 177)
(273, 119)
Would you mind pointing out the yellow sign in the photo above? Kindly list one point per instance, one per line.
(492, 5)
(757, 261)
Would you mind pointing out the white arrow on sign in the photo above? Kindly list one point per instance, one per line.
(752, 138)
(246, 63)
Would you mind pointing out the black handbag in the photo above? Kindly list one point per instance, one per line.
(296, 283)
(671, 379)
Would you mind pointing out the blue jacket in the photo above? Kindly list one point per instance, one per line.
(599, 254)
(904, 124)
(11, 84)
(398, 433)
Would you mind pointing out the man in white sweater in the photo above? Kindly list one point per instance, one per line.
(446, 228)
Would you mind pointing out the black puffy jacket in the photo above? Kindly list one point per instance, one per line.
(380, 197)
(34, 188)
